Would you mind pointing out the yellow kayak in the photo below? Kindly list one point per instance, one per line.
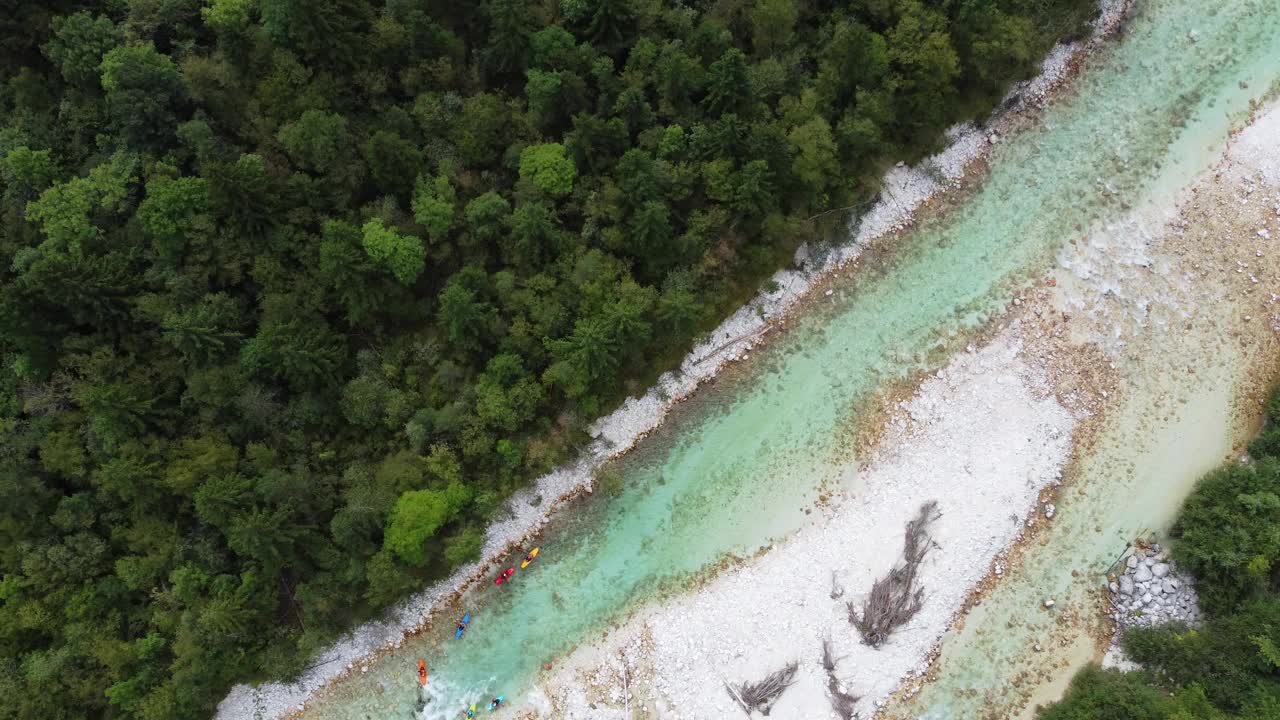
(528, 559)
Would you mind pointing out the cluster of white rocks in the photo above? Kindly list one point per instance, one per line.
(1150, 591)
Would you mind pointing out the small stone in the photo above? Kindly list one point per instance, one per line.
(1142, 574)
(1160, 569)
(1169, 587)
(1049, 602)
(829, 293)
(1146, 598)
(1114, 587)
(1132, 562)
(1149, 561)
(1126, 585)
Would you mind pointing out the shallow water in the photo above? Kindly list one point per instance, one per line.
(1166, 433)
(738, 464)
(1184, 372)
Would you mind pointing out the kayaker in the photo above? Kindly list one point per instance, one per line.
(528, 559)
(495, 703)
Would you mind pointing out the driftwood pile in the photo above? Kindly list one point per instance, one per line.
(762, 695)
(896, 598)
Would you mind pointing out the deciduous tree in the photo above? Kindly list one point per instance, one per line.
(547, 168)
(403, 255)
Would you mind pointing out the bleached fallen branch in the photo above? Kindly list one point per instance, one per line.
(727, 344)
(626, 686)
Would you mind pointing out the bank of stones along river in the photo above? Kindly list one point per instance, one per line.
(1088, 326)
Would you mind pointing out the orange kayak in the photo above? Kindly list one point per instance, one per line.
(422, 672)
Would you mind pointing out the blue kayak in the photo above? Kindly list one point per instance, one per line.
(497, 702)
(466, 620)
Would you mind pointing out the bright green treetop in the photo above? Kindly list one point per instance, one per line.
(547, 167)
(403, 255)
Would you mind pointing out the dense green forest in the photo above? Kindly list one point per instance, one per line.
(1228, 537)
(294, 293)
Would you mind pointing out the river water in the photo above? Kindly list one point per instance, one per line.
(737, 466)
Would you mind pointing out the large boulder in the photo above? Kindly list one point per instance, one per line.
(1126, 585)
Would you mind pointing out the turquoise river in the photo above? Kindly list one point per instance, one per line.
(734, 467)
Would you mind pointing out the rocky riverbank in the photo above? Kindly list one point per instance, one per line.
(1149, 590)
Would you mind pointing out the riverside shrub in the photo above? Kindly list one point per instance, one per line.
(1096, 693)
(1228, 533)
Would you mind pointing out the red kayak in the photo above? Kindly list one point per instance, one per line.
(505, 576)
